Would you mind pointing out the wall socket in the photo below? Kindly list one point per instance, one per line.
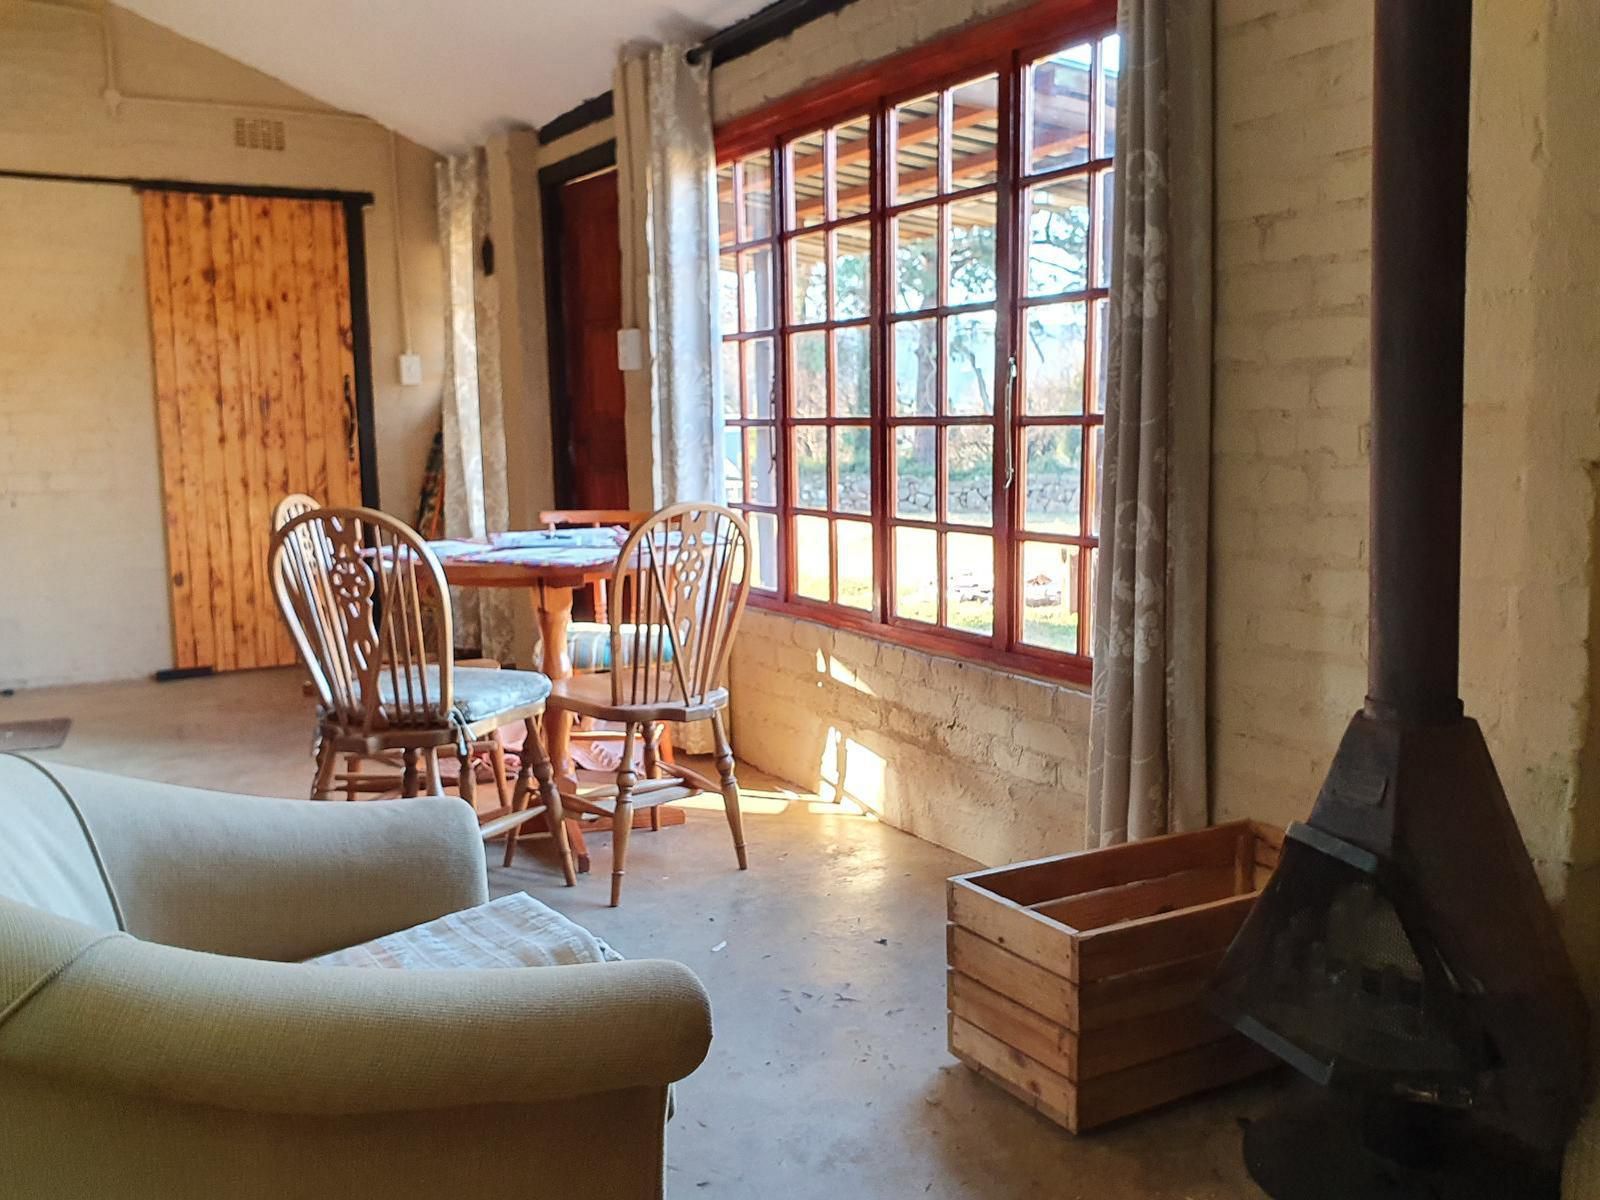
(410, 370)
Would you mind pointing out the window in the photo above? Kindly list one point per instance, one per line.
(914, 301)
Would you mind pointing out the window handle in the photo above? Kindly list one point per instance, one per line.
(1005, 420)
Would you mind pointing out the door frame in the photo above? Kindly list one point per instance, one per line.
(355, 205)
(551, 180)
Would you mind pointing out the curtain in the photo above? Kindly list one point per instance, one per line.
(1147, 733)
(475, 502)
(666, 183)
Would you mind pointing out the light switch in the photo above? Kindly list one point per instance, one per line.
(411, 370)
(630, 349)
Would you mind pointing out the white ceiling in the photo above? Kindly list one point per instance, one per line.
(443, 73)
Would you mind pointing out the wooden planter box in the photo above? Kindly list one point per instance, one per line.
(1075, 981)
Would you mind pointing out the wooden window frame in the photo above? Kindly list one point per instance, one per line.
(1004, 47)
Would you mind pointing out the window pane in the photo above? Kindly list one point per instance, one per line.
(914, 457)
(728, 292)
(763, 550)
(1091, 484)
(1110, 73)
(852, 269)
(852, 167)
(972, 233)
(1058, 116)
(808, 373)
(1053, 358)
(806, 179)
(970, 362)
(755, 270)
(916, 149)
(1105, 199)
(1090, 555)
(916, 257)
(916, 574)
(808, 278)
(852, 455)
(758, 377)
(761, 465)
(811, 557)
(969, 474)
(1102, 353)
(725, 227)
(969, 581)
(732, 468)
(1050, 596)
(1058, 238)
(811, 466)
(1053, 476)
(916, 368)
(852, 371)
(974, 131)
(755, 217)
(730, 378)
(855, 563)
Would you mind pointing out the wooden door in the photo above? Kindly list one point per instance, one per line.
(255, 398)
(596, 449)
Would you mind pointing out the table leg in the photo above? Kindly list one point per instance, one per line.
(554, 608)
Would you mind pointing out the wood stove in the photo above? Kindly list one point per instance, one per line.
(1404, 956)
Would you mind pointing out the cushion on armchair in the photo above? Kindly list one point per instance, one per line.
(478, 692)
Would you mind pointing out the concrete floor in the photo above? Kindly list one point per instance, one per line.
(828, 1078)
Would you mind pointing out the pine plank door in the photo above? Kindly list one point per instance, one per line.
(255, 399)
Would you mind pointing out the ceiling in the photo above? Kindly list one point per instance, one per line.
(444, 75)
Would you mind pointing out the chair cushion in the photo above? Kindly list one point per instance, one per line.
(47, 857)
(513, 931)
(589, 644)
(480, 692)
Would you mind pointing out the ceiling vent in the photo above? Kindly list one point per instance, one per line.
(258, 133)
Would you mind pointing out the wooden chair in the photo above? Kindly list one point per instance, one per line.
(360, 592)
(682, 579)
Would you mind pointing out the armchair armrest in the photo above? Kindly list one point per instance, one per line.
(276, 879)
(187, 1027)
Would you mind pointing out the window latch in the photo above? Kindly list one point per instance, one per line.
(1006, 430)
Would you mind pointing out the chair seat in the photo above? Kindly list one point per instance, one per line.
(590, 696)
(479, 692)
(589, 644)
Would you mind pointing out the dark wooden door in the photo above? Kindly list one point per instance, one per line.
(596, 449)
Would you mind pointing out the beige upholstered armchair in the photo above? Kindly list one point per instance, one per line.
(159, 1038)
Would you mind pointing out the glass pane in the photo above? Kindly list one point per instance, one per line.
(730, 379)
(1058, 238)
(806, 179)
(808, 371)
(972, 235)
(1110, 73)
(852, 270)
(759, 383)
(725, 227)
(728, 292)
(969, 581)
(914, 470)
(1091, 484)
(970, 362)
(855, 563)
(1102, 353)
(811, 466)
(852, 167)
(916, 574)
(755, 270)
(808, 278)
(1050, 596)
(852, 372)
(1105, 200)
(916, 149)
(1052, 473)
(969, 474)
(732, 468)
(763, 550)
(974, 131)
(763, 468)
(755, 216)
(852, 456)
(1091, 555)
(811, 557)
(1058, 110)
(916, 368)
(1052, 382)
(916, 257)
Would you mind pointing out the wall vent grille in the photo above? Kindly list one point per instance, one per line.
(258, 133)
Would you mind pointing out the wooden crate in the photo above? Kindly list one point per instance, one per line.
(1075, 981)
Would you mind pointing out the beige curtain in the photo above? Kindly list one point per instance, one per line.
(474, 428)
(1147, 739)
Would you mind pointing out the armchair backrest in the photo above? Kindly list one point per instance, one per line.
(48, 858)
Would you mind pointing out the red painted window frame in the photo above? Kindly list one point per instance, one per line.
(1003, 45)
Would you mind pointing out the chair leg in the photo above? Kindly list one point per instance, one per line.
(352, 766)
(408, 773)
(652, 767)
(430, 770)
(536, 761)
(467, 778)
(497, 759)
(327, 759)
(622, 816)
(730, 786)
